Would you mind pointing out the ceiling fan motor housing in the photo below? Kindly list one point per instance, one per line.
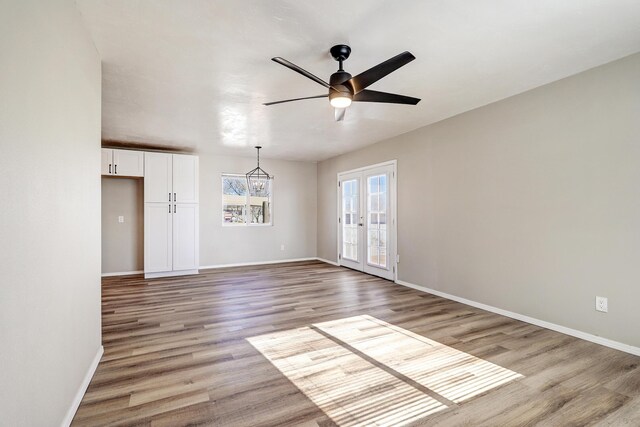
(339, 88)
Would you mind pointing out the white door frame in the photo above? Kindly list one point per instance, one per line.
(393, 187)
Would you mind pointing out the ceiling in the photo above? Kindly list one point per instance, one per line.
(193, 74)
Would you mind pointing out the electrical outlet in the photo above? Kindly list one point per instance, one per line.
(602, 304)
(121, 219)
(282, 247)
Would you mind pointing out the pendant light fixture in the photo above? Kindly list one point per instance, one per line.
(258, 179)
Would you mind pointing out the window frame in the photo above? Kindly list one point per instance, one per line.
(247, 204)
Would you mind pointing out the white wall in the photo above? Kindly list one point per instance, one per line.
(530, 204)
(50, 216)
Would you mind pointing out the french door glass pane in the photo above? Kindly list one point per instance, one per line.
(350, 219)
(377, 220)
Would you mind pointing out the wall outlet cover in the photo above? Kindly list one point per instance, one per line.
(602, 304)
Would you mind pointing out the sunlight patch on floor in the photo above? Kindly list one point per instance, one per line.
(362, 370)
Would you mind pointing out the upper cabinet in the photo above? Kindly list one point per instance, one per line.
(158, 177)
(122, 162)
(185, 178)
(170, 178)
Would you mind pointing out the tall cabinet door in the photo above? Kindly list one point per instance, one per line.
(158, 237)
(158, 177)
(185, 178)
(185, 237)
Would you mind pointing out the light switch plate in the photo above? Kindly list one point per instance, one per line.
(121, 219)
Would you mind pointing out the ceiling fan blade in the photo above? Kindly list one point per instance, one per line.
(373, 74)
(340, 114)
(295, 99)
(391, 98)
(299, 70)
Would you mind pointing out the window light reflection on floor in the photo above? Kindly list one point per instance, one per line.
(362, 370)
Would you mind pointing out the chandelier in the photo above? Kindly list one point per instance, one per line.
(258, 180)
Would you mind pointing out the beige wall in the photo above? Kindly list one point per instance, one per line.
(122, 243)
(531, 204)
(294, 217)
(50, 220)
(294, 213)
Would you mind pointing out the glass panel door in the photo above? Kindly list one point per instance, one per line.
(365, 224)
(378, 211)
(376, 221)
(350, 222)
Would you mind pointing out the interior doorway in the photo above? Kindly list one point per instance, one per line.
(367, 219)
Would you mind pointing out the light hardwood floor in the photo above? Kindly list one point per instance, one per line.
(312, 344)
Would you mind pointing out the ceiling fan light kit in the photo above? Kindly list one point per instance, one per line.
(345, 89)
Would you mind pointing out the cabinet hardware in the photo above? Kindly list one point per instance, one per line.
(169, 196)
(169, 207)
(174, 208)
(115, 169)
(174, 197)
(109, 167)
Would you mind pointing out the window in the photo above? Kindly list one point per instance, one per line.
(239, 208)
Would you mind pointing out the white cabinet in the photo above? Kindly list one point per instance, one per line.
(185, 178)
(158, 177)
(122, 162)
(186, 241)
(157, 237)
(171, 215)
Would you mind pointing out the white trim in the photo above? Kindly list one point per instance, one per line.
(393, 162)
(247, 202)
(205, 267)
(544, 324)
(245, 264)
(66, 422)
(170, 274)
(122, 273)
(328, 262)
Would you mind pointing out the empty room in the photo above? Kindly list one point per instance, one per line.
(304, 213)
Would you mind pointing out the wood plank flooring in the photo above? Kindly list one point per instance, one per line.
(310, 344)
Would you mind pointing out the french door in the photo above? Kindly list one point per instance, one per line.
(366, 223)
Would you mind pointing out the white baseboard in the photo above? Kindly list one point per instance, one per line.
(548, 325)
(83, 388)
(206, 267)
(170, 274)
(245, 264)
(122, 273)
(328, 262)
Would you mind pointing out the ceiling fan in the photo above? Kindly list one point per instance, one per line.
(344, 89)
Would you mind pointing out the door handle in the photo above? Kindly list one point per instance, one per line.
(360, 224)
(169, 207)
(174, 197)
(169, 196)
(109, 167)
(174, 208)
(115, 169)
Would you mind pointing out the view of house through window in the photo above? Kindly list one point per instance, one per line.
(241, 208)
